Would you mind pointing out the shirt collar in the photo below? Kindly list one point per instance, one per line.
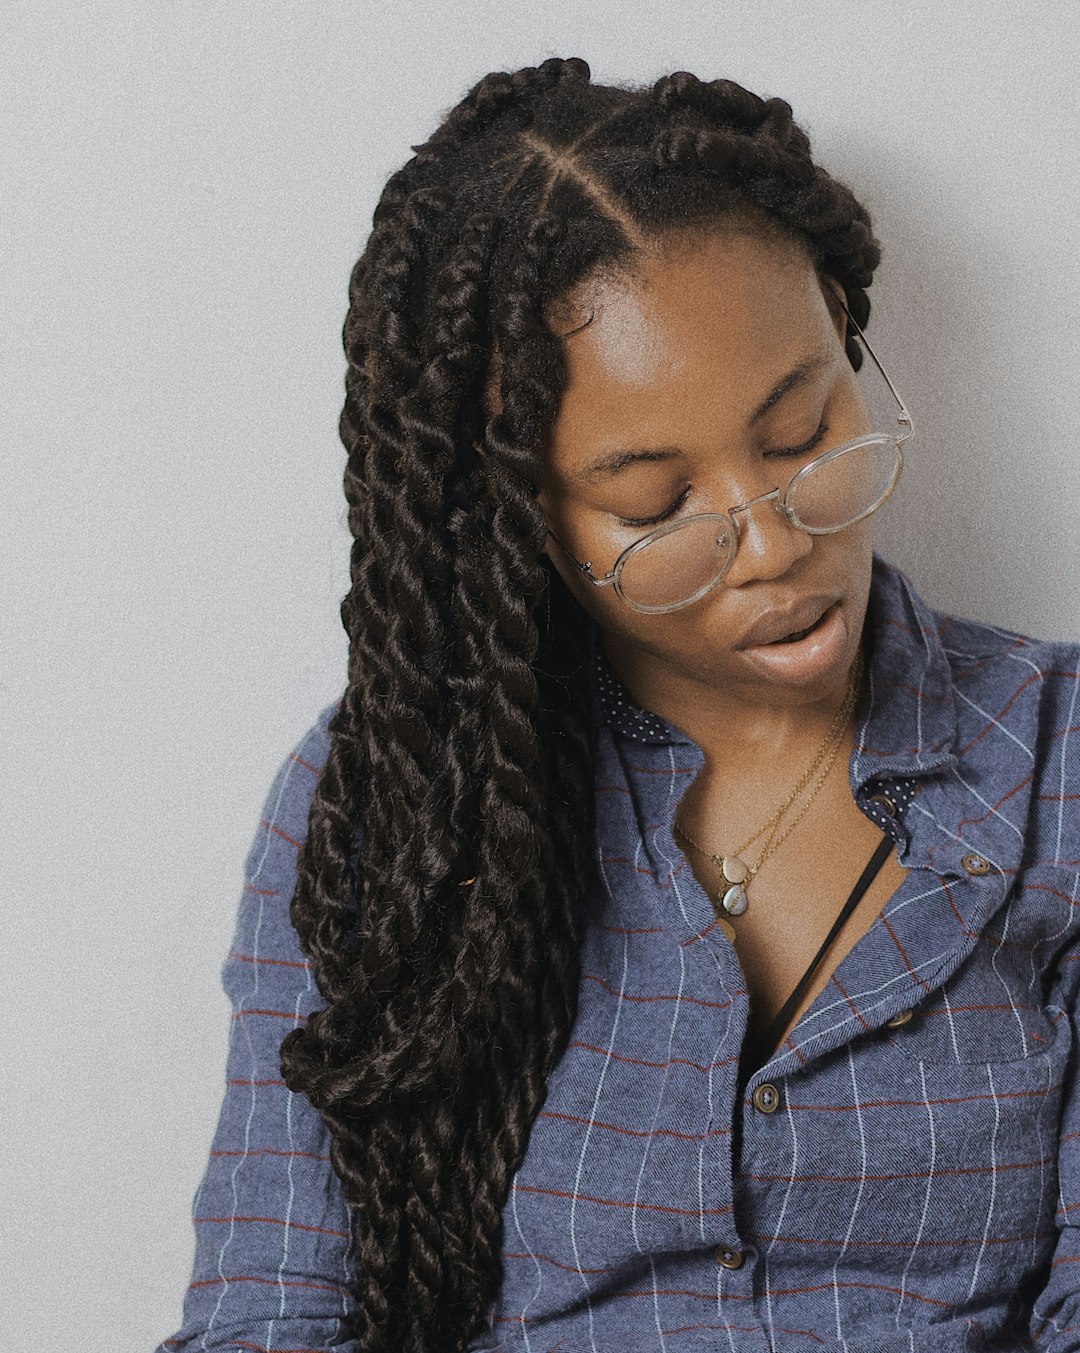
(908, 722)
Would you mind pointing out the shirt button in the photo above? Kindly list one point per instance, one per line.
(975, 864)
(729, 1258)
(898, 1020)
(766, 1098)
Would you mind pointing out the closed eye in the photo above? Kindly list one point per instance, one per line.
(667, 513)
(823, 429)
(779, 453)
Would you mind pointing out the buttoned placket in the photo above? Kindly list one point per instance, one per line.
(883, 786)
(760, 1110)
(976, 888)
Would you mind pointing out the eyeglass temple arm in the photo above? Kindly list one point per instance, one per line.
(585, 569)
(905, 417)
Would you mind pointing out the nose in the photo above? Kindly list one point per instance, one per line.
(768, 544)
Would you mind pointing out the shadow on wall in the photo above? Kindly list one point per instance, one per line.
(977, 343)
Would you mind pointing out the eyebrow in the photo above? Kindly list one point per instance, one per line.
(606, 467)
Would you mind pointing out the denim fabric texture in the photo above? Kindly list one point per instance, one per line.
(900, 1182)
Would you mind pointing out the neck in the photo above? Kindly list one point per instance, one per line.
(742, 734)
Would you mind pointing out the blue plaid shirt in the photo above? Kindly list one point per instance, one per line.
(906, 1170)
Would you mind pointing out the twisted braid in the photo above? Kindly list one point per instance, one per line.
(759, 146)
(516, 852)
(444, 939)
(498, 92)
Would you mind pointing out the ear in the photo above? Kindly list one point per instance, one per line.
(836, 300)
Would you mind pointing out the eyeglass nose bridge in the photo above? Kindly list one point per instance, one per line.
(772, 496)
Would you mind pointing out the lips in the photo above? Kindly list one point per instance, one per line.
(799, 634)
(779, 625)
(821, 655)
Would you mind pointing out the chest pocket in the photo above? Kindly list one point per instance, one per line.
(946, 1162)
(969, 1094)
(1002, 1004)
(990, 1011)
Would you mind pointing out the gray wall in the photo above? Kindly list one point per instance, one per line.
(185, 189)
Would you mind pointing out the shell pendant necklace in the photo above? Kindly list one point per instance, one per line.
(732, 897)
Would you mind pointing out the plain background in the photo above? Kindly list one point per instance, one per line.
(185, 187)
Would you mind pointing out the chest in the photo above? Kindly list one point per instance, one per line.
(873, 1160)
(792, 904)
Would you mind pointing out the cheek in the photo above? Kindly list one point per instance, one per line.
(855, 563)
(599, 602)
(865, 541)
(619, 622)
(852, 548)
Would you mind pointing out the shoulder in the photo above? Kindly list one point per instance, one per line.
(288, 801)
(1030, 683)
(988, 716)
(1007, 706)
(1018, 725)
(263, 925)
(968, 642)
(1017, 701)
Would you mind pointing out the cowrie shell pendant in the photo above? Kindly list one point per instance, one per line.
(734, 900)
(735, 870)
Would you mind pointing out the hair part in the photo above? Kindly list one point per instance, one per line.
(449, 868)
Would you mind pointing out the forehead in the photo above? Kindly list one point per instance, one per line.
(701, 328)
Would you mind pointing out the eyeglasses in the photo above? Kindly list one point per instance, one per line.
(680, 561)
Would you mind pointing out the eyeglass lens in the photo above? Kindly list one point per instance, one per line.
(686, 561)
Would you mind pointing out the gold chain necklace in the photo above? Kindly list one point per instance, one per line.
(737, 874)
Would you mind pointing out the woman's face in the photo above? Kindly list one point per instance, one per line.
(724, 356)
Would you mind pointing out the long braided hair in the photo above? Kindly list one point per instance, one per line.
(450, 858)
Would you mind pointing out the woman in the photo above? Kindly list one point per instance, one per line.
(673, 929)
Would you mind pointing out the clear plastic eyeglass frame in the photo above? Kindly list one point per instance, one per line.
(779, 497)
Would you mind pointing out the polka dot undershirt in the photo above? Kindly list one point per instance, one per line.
(621, 713)
(899, 792)
(639, 725)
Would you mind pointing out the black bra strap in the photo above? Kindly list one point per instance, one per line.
(777, 1025)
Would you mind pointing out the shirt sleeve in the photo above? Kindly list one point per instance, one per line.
(1055, 1321)
(273, 1255)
